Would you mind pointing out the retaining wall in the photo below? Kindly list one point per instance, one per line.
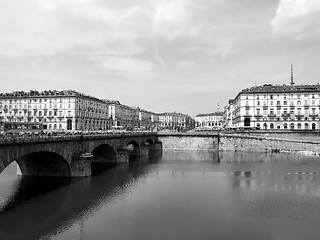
(189, 142)
(237, 142)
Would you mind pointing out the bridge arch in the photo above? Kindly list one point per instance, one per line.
(104, 157)
(133, 147)
(44, 163)
(104, 153)
(150, 141)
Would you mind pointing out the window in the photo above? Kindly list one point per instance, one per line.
(285, 103)
(299, 111)
(69, 124)
(258, 112)
(271, 96)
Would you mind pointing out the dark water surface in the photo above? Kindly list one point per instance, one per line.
(179, 195)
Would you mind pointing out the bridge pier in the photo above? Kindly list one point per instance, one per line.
(157, 146)
(144, 149)
(81, 167)
(122, 155)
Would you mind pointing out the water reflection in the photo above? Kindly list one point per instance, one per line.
(54, 204)
(176, 195)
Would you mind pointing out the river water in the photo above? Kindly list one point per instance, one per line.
(176, 195)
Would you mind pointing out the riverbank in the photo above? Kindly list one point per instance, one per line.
(308, 144)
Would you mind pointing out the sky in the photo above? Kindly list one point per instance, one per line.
(161, 55)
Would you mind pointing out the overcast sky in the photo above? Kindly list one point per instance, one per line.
(161, 55)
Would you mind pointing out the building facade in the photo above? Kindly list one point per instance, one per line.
(55, 110)
(228, 115)
(146, 120)
(176, 121)
(119, 115)
(209, 121)
(278, 107)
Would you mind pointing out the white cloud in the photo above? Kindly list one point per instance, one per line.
(172, 18)
(294, 16)
(122, 64)
(51, 27)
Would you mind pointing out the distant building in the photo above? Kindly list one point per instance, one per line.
(228, 115)
(209, 121)
(120, 115)
(56, 110)
(146, 120)
(176, 121)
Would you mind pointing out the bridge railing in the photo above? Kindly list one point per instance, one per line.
(54, 136)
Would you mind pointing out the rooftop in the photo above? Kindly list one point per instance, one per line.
(269, 88)
(210, 114)
(46, 93)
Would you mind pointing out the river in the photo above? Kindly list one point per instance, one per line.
(173, 195)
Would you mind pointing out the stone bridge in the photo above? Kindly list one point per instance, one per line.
(74, 156)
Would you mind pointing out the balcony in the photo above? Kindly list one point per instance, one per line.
(272, 115)
(299, 115)
(313, 115)
(258, 115)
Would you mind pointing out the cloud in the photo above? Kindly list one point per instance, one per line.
(52, 27)
(172, 18)
(297, 17)
(122, 64)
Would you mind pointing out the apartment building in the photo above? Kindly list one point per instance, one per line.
(277, 107)
(55, 110)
